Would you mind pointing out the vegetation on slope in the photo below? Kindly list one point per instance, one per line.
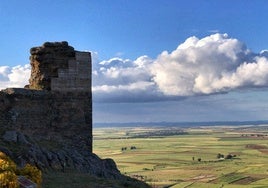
(9, 173)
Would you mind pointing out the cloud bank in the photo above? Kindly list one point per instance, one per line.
(210, 65)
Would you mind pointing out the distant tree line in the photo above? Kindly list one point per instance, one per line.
(219, 156)
(156, 133)
(229, 156)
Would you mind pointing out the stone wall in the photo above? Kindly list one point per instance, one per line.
(52, 116)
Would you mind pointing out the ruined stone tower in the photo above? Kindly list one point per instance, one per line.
(57, 104)
(49, 122)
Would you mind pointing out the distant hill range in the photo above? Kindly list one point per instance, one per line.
(182, 124)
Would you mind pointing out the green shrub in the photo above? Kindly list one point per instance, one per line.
(8, 178)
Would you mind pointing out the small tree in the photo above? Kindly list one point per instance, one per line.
(229, 156)
(219, 156)
(133, 147)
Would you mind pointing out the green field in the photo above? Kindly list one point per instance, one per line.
(169, 156)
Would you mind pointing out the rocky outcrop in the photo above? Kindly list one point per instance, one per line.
(54, 156)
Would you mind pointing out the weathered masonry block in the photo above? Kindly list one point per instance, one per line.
(58, 67)
(76, 77)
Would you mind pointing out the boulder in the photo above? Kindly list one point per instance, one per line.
(10, 136)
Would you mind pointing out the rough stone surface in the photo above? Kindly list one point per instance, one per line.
(45, 62)
(51, 116)
(57, 66)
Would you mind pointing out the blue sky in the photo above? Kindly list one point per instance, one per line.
(218, 75)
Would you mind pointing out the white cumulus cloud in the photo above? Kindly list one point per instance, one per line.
(123, 80)
(210, 65)
(17, 76)
(213, 64)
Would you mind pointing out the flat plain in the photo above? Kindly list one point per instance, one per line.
(180, 157)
